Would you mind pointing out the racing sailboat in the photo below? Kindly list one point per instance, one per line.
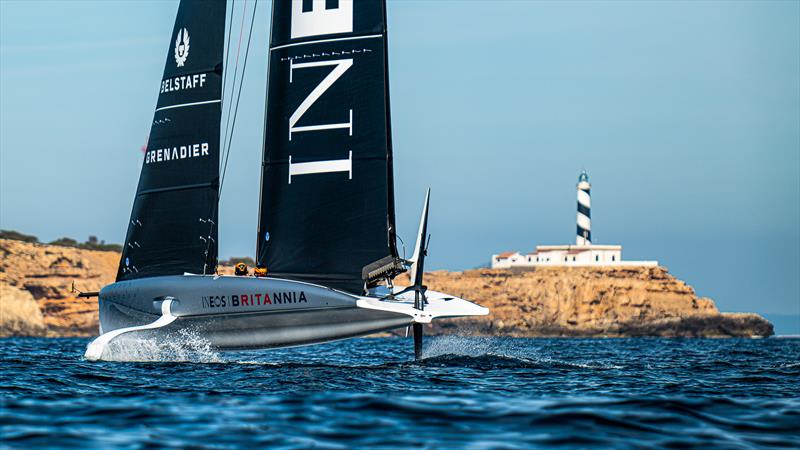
(326, 234)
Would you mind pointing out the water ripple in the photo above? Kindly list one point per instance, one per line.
(465, 393)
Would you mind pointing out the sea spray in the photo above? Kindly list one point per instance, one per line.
(455, 345)
(185, 345)
(501, 351)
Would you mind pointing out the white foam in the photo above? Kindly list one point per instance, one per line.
(181, 346)
(459, 346)
(498, 347)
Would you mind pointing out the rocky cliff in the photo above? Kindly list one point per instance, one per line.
(45, 273)
(588, 301)
(36, 299)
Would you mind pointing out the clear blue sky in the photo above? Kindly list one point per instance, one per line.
(685, 114)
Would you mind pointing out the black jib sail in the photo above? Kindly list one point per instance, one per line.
(172, 229)
(327, 205)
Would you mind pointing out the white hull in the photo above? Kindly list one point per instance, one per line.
(245, 312)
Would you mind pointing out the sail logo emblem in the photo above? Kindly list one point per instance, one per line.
(182, 47)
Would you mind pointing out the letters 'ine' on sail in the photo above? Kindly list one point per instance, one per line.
(327, 205)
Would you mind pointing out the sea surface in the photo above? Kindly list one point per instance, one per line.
(476, 393)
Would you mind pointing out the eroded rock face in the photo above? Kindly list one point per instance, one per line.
(588, 301)
(550, 301)
(19, 313)
(46, 273)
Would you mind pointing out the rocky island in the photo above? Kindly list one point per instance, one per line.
(36, 299)
(588, 302)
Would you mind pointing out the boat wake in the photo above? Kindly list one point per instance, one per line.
(443, 351)
(494, 352)
(184, 345)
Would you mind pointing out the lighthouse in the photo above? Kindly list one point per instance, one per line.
(583, 253)
(584, 229)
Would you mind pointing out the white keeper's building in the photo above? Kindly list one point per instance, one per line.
(583, 253)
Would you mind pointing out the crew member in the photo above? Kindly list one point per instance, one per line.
(240, 269)
(260, 271)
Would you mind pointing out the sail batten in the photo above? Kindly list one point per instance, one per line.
(172, 228)
(321, 41)
(327, 213)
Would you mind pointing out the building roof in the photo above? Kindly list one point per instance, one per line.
(549, 248)
(505, 255)
(575, 251)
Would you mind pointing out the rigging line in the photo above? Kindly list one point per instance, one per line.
(235, 72)
(233, 125)
(397, 236)
(227, 60)
(215, 208)
(238, 97)
(227, 50)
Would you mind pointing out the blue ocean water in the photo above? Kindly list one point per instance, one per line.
(478, 393)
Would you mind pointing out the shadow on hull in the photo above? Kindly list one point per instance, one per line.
(241, 331)
(243, 312)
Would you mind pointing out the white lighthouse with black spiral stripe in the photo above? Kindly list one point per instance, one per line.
(584, 229)
(583, 253)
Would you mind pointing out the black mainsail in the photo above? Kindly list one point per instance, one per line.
(173, 227)
(327, 202)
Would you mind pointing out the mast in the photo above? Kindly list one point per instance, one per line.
(327, 200)
(390, 151)
(172, 228)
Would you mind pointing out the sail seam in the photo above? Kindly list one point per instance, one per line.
(323, 54)
(177, 188)
(283, 162)
(296, 44)
(181, 105)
